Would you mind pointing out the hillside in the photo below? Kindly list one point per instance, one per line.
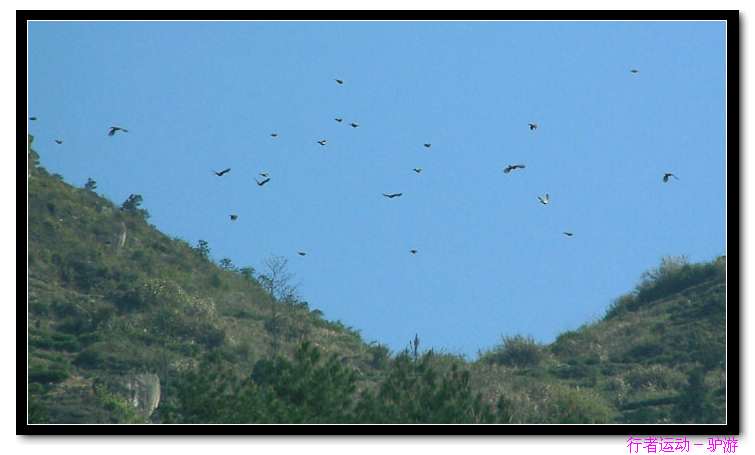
(110, 296)
(658, 355)
(128, 325)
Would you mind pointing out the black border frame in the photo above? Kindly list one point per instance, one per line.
(733, 336)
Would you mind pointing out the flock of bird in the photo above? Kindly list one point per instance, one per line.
(544, 199)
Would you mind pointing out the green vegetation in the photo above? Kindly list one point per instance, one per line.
(111, 297)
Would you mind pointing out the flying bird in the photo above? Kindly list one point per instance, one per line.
(322, 142)
(223, 172)
(413, 251)
(634, 71)
(667, 175)
(339, 81)
(544, 200)
(417, 170)
(234, 217)
(32, 118)
(392, 195)
(273, 134)
(58, 141)
(568, 234)
(301, 253)
(115, 129)
(533, 126)
(354, 125)
(264, 174)
(428, 145)
(512, 167)
(338, 119)
(262, 182)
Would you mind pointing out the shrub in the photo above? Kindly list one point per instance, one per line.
(655, 377)
(55, 341)
(47, 374)
(673, 275)
(567, 405)
(517, 351)
(380, 355)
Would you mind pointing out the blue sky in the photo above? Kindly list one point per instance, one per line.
(492, 261)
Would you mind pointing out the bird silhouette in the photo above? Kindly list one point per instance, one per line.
(338, 119)
(428, 145)
(115, 129)
(354, 125)
(234, 217)
(533, 126)
(544, 200)
(58, 141)
(264, 174)
(339, 81)
(322, 142)
(262, 182)
(417, 170)
(301, 253)
(273, 134)
(667, 175)
(392, 195)
(222, 173)
(634, 71)
(568, 234)
(512, 167)
(32, 118)
(413, 251)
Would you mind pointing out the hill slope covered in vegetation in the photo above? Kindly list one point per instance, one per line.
(128, 325)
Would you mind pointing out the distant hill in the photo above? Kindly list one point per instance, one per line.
(128, 325)
(658, 355)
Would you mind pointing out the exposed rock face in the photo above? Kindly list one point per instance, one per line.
(122, 238)
(145, 392)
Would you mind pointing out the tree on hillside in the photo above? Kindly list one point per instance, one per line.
(247, 272)
(90, 185)
(132, 205)
(227, 264)
(203, 248)
(277, 280)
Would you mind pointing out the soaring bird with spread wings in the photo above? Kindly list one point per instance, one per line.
(115, 129)
(513, 167)
(667, 175)
(392, 195)
(222, 173)
(262, 182)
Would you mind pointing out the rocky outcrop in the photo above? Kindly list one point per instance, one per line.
(145, 392)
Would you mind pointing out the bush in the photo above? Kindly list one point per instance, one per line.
(646, 350)
(380, 355)
(673, 275)
(517, 351)
(655, 377)
(55, 341)
(48, 374)
(567, 405)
